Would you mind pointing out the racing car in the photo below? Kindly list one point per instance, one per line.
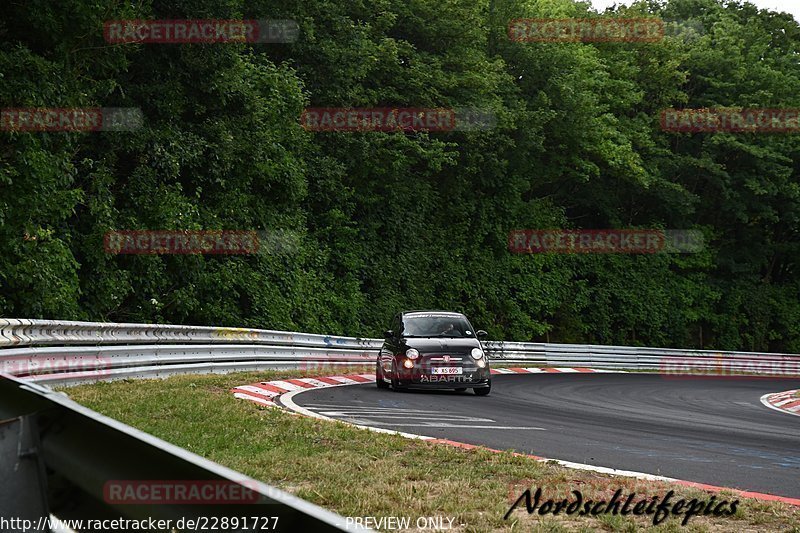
(433, 350)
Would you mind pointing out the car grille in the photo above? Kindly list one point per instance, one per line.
(437, 358)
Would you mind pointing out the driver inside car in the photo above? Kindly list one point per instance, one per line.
(452, 331)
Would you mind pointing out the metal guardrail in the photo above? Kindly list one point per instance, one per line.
(85, 364)
(153, 350)
(24, 332)
(34, 349)
(62, 459)
(665, 360)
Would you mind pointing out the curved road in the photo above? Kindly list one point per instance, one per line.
(708, 430)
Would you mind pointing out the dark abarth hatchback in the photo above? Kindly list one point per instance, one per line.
(433, 349)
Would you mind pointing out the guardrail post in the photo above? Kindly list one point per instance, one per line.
(23, 491)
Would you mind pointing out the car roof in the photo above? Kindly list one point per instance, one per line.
(432, 312)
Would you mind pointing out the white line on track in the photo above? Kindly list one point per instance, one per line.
(452, 418)
(378, 407)
(446, 425)
(373, 409)
(288, 400)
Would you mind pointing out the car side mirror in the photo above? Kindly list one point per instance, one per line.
(481, 334)
(388, 334)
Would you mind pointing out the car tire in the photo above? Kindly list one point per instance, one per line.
(379, 377)
(483, 391)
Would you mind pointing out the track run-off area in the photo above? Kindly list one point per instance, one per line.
(709, 430)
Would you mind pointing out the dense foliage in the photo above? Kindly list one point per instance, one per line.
(380, 222)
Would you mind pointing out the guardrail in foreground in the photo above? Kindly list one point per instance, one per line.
(155, 350)
(63, 459)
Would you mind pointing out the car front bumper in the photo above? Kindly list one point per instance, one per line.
(471, 377)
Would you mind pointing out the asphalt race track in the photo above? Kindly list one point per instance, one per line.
(708, 430)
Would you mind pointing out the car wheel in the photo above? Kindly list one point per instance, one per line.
(461, 389)
(483, 391)
(379, 377)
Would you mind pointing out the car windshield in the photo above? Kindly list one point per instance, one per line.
(432, 325)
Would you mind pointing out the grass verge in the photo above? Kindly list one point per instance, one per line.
(359, 473)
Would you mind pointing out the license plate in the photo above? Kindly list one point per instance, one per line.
(446, 370)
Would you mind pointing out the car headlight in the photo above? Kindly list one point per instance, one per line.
(481, 363)
(477, 353)
(412, 354)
